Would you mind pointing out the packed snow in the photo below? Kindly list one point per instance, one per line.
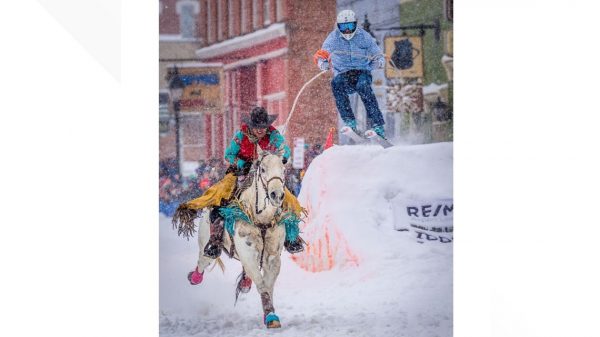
(394, 286)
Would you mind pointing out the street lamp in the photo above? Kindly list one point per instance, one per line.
(176, 86)
(367, 27)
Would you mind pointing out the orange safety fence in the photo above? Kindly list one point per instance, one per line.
(323, 250)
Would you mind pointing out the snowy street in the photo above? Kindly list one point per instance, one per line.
(392, 285)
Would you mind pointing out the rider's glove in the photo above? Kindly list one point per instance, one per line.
(242, 169)
(247, 165)
(284, 160)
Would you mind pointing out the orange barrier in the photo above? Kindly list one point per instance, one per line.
(323, 250)
(329, 141)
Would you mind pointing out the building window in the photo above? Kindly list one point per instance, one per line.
(230, 17)
(267, 11)
(187, 11)
(255, 17)
(164, 118)
(244, 16)
(210, 20)
(279, 10)
(219, 20)
(449, 9)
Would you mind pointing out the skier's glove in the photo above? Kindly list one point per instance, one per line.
(380, 63)
(323, 65)
(284, 160)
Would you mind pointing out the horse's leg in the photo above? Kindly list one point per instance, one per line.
(196, 276)
(271, 266)
(272, 261)
(249, 245)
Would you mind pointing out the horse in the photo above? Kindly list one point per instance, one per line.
(257, 243)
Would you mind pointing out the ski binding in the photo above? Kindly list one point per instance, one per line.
(370, 134)
(347, 131)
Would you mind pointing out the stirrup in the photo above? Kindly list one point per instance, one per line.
(293, 247)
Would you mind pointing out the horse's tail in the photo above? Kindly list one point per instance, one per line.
(183, 221)
(221, 264)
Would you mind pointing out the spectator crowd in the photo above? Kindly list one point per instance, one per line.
(175, 189)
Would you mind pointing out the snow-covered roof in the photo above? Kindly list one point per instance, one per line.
(176, 38)
(241, 42)
(195, 65)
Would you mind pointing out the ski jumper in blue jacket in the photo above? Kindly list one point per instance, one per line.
(352, 53)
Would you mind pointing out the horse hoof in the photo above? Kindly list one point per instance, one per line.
(195, 277)
(273, 325)
(245, 285)
(272, 321)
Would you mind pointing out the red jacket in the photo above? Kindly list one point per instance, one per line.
(242, 150)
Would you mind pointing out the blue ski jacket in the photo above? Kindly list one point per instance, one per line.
(360, 52)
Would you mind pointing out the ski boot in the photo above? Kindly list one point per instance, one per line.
(379, 130)
(352, 125)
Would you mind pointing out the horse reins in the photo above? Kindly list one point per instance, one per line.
(265, 187)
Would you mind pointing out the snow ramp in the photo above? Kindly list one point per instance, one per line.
(350, 193)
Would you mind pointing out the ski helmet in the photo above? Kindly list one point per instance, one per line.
(346, 23)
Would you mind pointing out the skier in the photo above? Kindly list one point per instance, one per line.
(256, 130)
(353, 53)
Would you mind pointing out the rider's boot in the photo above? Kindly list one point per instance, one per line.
(213, 247)
(294, 246)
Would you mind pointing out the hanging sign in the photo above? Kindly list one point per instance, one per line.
(406, 54)
(202, 91)
(298, 154)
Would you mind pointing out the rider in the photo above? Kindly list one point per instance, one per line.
(256, 130)
(353, 53)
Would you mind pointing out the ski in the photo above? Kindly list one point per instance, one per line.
(347, 131)
(370, 134)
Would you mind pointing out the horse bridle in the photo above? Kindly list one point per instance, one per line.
(265, 186)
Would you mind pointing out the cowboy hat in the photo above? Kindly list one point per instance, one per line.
(258, 118)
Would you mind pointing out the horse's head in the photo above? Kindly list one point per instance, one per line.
(270, 171)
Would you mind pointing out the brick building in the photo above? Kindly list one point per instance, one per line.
(178, 41)
(266, 49)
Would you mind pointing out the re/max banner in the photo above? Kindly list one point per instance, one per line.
(427, 220)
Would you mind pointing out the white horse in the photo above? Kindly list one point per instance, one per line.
(258, 245)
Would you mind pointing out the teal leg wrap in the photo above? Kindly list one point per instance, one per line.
(271, 317)
(291, 221)
(231, 214)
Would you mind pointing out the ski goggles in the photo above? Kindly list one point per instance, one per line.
(351, 26)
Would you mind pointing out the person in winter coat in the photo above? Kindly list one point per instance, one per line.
(353, 54)
(256, 130)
